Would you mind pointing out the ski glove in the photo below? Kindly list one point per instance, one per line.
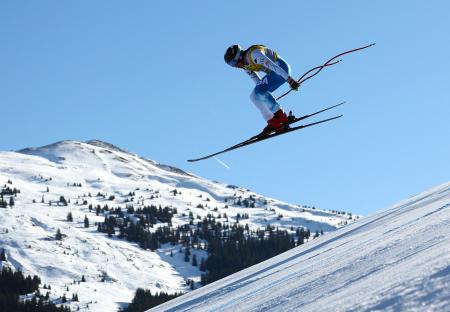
(293, 83)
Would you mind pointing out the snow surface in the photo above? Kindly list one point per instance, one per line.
(115, 268)
(395, 260)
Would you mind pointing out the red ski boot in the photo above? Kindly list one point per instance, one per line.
(276, 123)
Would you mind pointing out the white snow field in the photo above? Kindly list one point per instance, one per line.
(114, 268)
(395, 260)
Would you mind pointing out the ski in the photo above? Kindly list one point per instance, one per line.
(259, 137)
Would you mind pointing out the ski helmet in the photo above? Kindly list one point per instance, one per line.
(232, 54)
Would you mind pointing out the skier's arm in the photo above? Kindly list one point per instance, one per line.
(254, 76)
(259, 58)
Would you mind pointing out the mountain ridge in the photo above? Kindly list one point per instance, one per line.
(82, 179)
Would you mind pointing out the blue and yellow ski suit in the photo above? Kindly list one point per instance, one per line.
(259, 58)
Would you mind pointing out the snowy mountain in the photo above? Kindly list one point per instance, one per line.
(45, 185)
(395, 260)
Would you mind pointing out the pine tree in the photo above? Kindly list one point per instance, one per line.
(83, 279)
(194, 260)
(70, 217)
(63, 201)
(187, 253)
(316, 234)
(11, 201)
(3, 255)
(86, 221)
(58, 235)
(203, 279)
(2, 202)
(203, 265)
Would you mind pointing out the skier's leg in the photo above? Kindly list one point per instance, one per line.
(263, 100)
(261, 95)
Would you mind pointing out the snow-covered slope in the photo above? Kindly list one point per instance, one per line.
(395, 260)
(114, 268)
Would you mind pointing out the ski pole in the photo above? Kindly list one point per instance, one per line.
(318, 69)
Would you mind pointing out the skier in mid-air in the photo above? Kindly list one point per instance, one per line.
(260, 58)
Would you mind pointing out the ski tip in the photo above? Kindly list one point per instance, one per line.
(201, 158)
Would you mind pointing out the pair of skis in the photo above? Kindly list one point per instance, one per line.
(283, 130)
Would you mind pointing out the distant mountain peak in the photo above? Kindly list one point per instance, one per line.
(59, 150)
(106, 145)
(52, 145)
(94, 142)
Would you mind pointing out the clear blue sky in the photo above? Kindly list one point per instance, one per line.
(149, 77)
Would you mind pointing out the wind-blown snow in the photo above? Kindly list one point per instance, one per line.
(395, 260)
(115, 268)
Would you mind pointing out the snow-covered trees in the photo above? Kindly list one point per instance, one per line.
(144, 300)
(14, 284)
